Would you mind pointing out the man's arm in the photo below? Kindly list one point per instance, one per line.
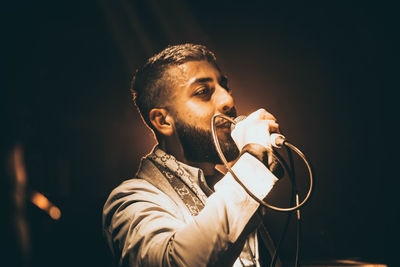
(145, 231)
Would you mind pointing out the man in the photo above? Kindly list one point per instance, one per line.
(179, 210)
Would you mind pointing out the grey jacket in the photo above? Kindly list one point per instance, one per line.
(146, 222)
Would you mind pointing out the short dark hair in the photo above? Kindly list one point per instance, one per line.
(149, 84)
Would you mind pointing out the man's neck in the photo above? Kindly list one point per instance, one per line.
(211, 174)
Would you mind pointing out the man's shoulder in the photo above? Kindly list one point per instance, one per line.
(142, 182)
(132, 192)
(136, 194)
(134, 188)
(138, 190)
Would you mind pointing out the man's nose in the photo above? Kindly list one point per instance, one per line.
(224, 100)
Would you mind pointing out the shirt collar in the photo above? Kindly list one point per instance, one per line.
(191, 176)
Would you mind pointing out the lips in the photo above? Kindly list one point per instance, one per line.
(222, 123)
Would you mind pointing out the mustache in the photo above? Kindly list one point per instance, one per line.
(223, 122)
(231, 113)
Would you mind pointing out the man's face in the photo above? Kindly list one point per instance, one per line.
(199, 92)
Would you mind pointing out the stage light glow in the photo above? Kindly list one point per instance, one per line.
(40, 201)
(44, 204)
(55, 213)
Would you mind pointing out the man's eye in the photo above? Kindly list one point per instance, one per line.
(203, 91)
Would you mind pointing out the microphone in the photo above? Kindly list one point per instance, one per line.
(277, 140)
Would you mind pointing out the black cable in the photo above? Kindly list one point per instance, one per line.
(298, 241)
(283, 235)
(298, 218)
(291, 173)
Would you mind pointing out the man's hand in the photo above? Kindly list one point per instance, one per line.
(256, 128)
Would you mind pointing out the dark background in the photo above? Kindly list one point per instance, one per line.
(322, 69)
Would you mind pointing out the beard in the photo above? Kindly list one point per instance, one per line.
(198, 144)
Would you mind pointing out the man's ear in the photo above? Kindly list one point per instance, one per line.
(162, 121)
